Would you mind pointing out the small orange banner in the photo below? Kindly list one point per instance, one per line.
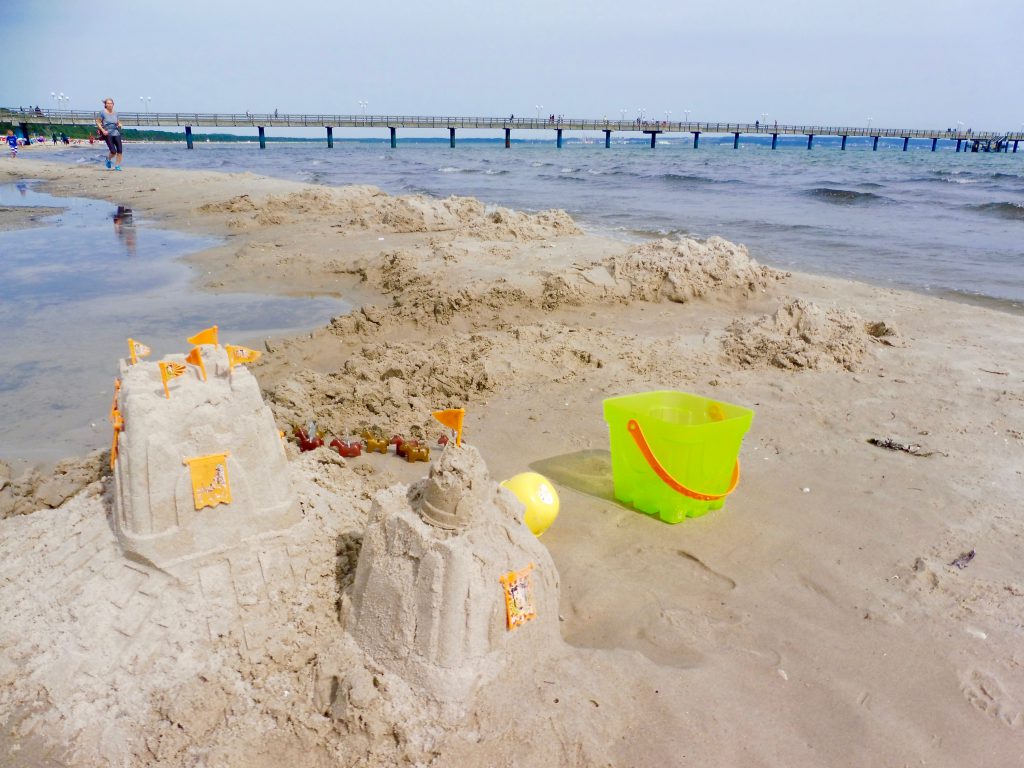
(206, 336)
(196, 358)
(239, 355)
(170, 370)
(452, 418)
(137, 349)
(519, 607)
(115, 416)
(210, 485)
(113, 405)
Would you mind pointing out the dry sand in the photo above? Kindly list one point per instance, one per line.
(816, 620)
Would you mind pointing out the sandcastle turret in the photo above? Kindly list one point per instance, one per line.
(200, 466)
(451, 585)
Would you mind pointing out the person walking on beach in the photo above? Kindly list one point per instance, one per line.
(110, 130)
(12, 142)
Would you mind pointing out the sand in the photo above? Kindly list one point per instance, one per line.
(817, 619)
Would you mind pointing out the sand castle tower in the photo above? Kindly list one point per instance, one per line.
(451, 585)
(200, 470)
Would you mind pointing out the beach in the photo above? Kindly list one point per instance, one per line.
(852, 603)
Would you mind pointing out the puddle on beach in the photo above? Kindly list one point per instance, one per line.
(76, 288)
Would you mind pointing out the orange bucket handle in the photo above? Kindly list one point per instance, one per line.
(641, 442)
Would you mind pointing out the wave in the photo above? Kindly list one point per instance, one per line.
(682, 178)
(1003, 210)
(844, 196)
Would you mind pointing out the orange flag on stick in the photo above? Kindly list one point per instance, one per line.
(196, 358)
(170, 370)
(210, 485)
(452, 418)
(137, 349)
(239, 355)
(207, 336)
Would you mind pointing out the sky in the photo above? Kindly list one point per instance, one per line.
(916, 63)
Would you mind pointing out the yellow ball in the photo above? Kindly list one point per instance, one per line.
(538, 496)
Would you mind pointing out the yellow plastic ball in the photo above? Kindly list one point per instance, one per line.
(539, 497)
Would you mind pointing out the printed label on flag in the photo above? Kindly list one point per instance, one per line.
(519, 607)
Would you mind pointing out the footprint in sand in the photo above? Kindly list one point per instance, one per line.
(988, 695)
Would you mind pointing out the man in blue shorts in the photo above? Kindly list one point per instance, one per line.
(110, 130)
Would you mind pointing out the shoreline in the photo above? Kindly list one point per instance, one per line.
(815, 616)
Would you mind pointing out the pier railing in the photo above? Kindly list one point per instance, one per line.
(53, 117)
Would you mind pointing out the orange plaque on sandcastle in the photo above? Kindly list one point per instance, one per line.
(519, 607)
(210, 485)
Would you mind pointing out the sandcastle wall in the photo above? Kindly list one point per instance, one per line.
(428, 602)
(155, 516)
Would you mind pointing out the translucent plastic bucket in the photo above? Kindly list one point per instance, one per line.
(674, 455)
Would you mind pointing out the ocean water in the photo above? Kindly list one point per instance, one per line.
(941, 222)
(75, 289)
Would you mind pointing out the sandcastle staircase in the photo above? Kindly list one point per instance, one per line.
(156, 518)
(428, 601)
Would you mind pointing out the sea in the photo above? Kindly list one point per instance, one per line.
(943, 223)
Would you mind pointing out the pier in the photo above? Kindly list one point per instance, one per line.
(967, 141)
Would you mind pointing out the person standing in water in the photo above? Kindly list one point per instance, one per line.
(110, 130)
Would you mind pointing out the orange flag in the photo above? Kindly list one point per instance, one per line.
(207, 336)
(452, 418)
(137, 349)
(196, 358)
(210, 485)
(239, 355)
(113, 405)
(170, 370)
(115, 417)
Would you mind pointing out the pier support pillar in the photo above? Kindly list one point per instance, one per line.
(451, 138)
(608, 141)
(906, 141)
(263, 137)
(958, 143)
(974, 145)
(1006, 147)
(843, 146)
(188, 137)
(1015, 146)
(330, 137)
(696, 139)
(24, 132)
(508, 138)
(654, 139)
(775, 139)
(736, 140)
(935, 143)
(558, 138)
(874, 144)
(810, 140)
(394, 138)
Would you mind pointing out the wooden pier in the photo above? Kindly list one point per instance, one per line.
(969, 140)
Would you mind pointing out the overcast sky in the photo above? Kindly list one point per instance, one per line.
(915, 63)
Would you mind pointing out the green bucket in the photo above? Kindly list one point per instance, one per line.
(674, 455)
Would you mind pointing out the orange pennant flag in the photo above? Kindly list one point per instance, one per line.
(239, 355)
(452, 418)
(207, 336)
(196, 358)
(170, 370)
(210, 485)
(113, 405)
(137, 349)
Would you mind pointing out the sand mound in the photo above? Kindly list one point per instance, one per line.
(34, 490)
(680, 271)
(799, 335)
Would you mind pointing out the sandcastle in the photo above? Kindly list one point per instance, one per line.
(164, 512)
(451, 586)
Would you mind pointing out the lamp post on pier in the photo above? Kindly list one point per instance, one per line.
(764, 118)
(623, 111)
(869, 122)
(363, 105)
(686, 114)
(668, 113)
(145, 102)
(538, 107)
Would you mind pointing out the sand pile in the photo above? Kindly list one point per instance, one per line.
(33, 489)
(799, 335)
(681, 271)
